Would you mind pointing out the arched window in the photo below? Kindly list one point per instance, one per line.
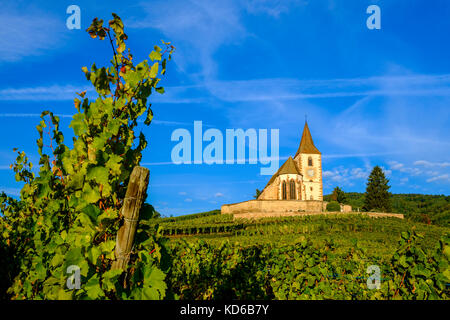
(310, 162)
(283, 190)
(292, 190)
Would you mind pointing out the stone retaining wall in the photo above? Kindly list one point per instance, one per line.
(263, 206)
(258, 215)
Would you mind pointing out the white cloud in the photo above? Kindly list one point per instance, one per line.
(400, 123)
(11, 191)
(182, 193)
(31, 115)
(395, 165)
(359, 173)
(198, 28)
(344, 176)
(387, 172)
(422, 163)
(257, 90)
(444, 177)
(28, 32)
(188, 200)
(432, 164)
(414, 171)
(44, 93)
(68, 92)
(434, 172)
(218, 195)
(294, 89)
(272, 8)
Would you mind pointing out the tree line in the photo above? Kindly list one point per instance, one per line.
(429, 209)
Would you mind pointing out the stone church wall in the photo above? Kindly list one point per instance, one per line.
(271, 191)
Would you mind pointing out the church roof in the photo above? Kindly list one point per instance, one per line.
(307, 144)
(289, 167)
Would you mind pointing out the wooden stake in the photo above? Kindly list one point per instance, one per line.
(137, 187)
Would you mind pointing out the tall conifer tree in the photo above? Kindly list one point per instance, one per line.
(377, 194)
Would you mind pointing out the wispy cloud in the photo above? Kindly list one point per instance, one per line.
(274, 8)
(37, 115)
(30, 115)
(348, 176)
(431, 164)
(11, 191)
(444, 177)
(28, 32)
(344, 176)
(294, 89)
(68, 92)
(43, 93)
(198, 27)
(437, 174)
(396, 123)
(254, 90)
(397, 166)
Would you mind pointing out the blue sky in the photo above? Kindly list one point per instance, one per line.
(372, 97)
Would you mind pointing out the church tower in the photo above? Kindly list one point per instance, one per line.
(309, 161)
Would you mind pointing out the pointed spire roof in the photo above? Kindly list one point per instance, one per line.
(307, 144)
(289, 167)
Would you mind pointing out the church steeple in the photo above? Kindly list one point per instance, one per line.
(307, 144)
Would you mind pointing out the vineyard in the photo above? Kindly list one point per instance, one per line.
(215, 227)
(312, 257)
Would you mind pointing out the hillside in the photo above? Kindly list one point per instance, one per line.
(379, 235)
(429, 209)
(305, 257)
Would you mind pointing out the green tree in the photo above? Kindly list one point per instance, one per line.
(377, 196)
(338, 195)
(258, 192)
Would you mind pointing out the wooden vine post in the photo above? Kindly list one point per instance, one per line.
(137, 187)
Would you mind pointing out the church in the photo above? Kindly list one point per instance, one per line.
(296, 186)
(299, 178)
